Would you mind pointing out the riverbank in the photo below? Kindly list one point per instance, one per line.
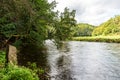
(2, 59)
(110, 39)
(16, 72)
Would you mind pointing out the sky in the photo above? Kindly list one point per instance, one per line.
(93, 12)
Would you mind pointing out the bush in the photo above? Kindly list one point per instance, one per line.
(2, 58)
(18, 73)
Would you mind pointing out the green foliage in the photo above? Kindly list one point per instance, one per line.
(8, 29)
(84, 30)
(65, 25)
(18, 73)
(28, 22)
(32, 21)
(34, 68)
(2, 58)
(25, 20)
(111, 27)
(17, 43)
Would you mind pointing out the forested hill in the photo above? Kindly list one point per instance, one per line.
(110, 27)
(84, 29)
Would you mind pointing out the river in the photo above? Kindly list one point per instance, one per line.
(77, 60)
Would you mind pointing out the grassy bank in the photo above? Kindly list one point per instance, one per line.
(2, 58)
(14, 72)
(110, 39)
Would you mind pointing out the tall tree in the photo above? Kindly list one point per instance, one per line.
(65, 25)
(25, 21)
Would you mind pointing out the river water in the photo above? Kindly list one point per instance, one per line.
(77, 60)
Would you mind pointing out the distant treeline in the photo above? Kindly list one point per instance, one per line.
(108, 28)
(84, 29)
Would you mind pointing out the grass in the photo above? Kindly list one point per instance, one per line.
(15, 72)
(2, 58)
(110, 39)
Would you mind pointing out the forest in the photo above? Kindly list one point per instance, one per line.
(110, 27)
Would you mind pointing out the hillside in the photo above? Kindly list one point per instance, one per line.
(110, 27)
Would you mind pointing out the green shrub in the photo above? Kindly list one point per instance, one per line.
(18, 73)
(2, 57)
(34, 68)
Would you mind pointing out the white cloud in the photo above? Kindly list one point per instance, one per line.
(91, 11)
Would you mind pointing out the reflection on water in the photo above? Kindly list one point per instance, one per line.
(63, 67)
(84, 61)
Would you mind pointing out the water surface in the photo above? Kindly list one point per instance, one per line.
(84, 61)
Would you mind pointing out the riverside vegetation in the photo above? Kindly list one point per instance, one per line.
(108, 31)
(29, 23)
(14, 72)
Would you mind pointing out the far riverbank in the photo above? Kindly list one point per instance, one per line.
(110, 39)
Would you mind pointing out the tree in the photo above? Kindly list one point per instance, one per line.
(25, 21)
(65, 25)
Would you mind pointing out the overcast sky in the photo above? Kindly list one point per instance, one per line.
(93, 12)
